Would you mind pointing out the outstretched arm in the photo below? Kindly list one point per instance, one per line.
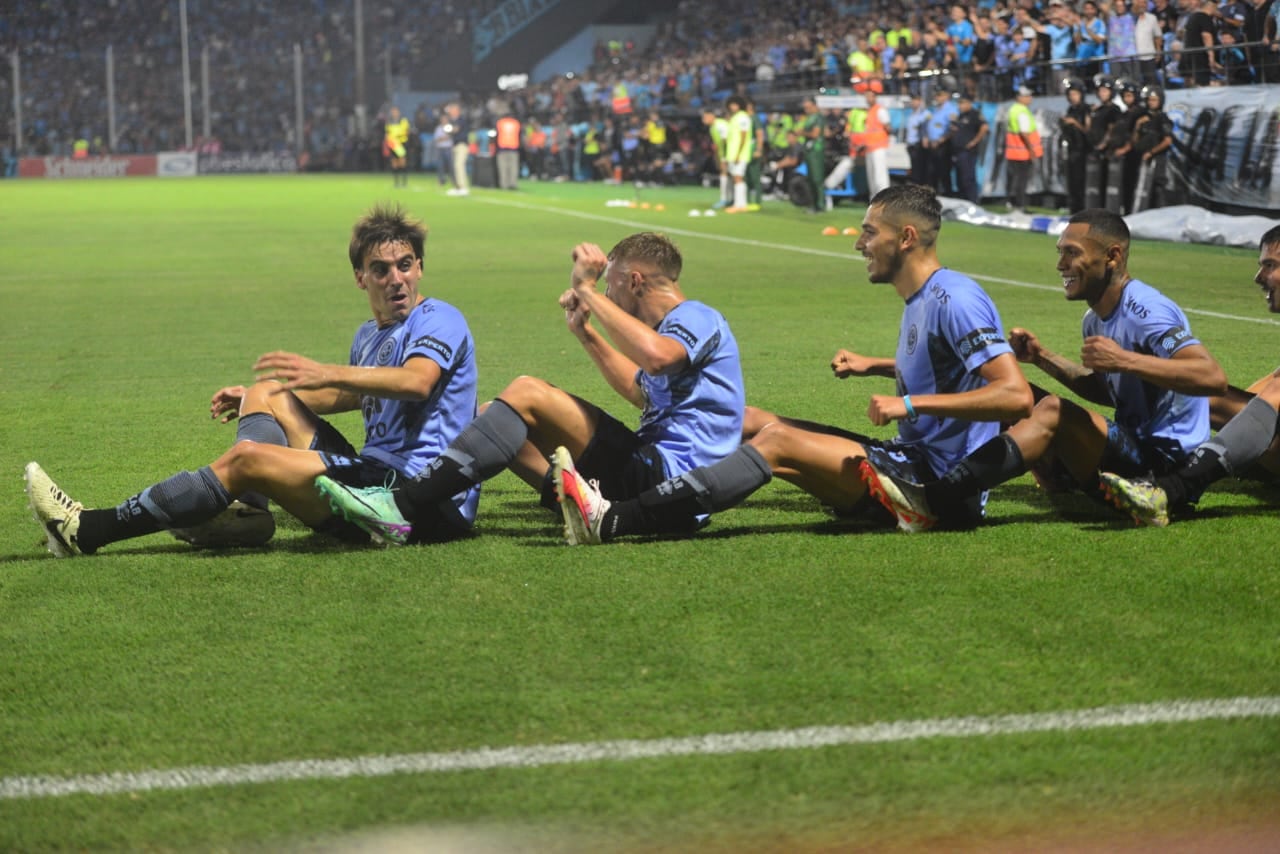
(327, 388)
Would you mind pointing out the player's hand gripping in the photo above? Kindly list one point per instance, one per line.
(849, 364)
(589, 262)
(1026, 346)
(883, 409)
(1099, 353)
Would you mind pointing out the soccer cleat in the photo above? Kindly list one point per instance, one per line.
(905, 500)
(372, 508)
(1144, 501)
(581, 503)
(55, 510)
(239, 526)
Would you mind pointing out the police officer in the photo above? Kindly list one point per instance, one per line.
(1124, 159)
(1074, 134)
(937, 140)
(1152, 138)
(916, 121)
(1103, 140)
(968, 131)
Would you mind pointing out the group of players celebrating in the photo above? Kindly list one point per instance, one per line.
(967, 418)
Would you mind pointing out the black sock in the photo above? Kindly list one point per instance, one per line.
(482, 450)
(674, 506)
(1185, 486)
(187, 498)
(992, 464)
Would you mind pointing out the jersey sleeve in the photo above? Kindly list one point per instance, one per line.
(973, 324)
(696, 327)
(1165, 330)
(437, 331)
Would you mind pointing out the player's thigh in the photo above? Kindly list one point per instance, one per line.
(822, 464)
(554, 416)
(1079, 435)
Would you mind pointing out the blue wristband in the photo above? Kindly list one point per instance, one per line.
(911, 410)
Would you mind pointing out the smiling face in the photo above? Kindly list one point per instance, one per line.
(1085, 264)
(880, 245)
(390, 276)
(1268, 277)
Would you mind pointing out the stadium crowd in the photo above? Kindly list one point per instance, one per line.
(701, 54)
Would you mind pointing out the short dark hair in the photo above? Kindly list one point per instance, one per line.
(915, 203)
(385, 224)
(656, 249)
(1271, 238)
(1104, 226)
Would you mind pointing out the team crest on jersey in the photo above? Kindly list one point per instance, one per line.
(913, 337)
(386, 352)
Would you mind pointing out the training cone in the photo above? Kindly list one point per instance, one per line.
(830, 231)
(695, 212)
(850, 232)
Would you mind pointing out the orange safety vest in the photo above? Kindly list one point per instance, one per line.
(621, 100)
(537, 139)
(866, 131)
(508, 133)
(1014, 148)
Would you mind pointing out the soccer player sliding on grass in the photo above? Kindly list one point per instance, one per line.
(956, 376)
(1249, 437)
(1138, 355)
(671, 357)
(412, 373)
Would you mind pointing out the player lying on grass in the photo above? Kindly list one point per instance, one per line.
(1138, 355)
(671, 357)
(956, 380)
(1249, 437)
(412, 373)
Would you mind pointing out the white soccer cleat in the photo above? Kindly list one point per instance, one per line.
(55, 510)
(905, 500)
(581, 503)
(239, 526)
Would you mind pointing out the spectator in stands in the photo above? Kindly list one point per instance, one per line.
(1199, 40)
(1091, 40)
(1121, 43)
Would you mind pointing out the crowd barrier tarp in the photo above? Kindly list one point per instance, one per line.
(1180, 223)
(1225, 147)
(1191, 224)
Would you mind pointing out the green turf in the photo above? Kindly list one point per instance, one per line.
(128, 303)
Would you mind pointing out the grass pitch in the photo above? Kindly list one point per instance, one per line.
(127, 303)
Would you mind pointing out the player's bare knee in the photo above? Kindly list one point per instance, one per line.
(261, 397)
(523, 392)
(772, 441)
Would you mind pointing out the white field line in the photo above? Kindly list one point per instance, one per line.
(537, 756)
(847, 255)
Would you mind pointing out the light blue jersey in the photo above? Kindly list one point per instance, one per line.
(1146, 321)
(950, 329)
(694, 417)
(408, 434)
